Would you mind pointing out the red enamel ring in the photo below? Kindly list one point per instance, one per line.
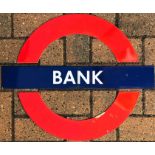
(123, 51)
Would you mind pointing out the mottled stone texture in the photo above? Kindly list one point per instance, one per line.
(78, 48)
(107, 16)
(150, 102)
(25, 24)
(9, 50)
(5, 25)
(26, 130)
(137, 24)
(107, 138)
(138, 129)
(53, 54)
(71, 102)
(5, 116)
(150, 51)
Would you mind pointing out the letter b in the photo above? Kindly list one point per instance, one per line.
(57, 77)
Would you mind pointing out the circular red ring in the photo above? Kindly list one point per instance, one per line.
(122, 50)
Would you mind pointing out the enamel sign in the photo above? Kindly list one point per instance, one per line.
(128, 80)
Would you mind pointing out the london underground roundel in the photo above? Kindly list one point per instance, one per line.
(97, 77)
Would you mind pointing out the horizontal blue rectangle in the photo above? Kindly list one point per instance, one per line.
(110, 77)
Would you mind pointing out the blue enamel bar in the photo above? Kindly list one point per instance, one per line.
(77, 77)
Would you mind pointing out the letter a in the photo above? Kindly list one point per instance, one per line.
(69, 78)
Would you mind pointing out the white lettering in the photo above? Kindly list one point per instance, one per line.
(90, 77)
(95, 77)
(69, 78)
(81, 76)
(57, 77)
